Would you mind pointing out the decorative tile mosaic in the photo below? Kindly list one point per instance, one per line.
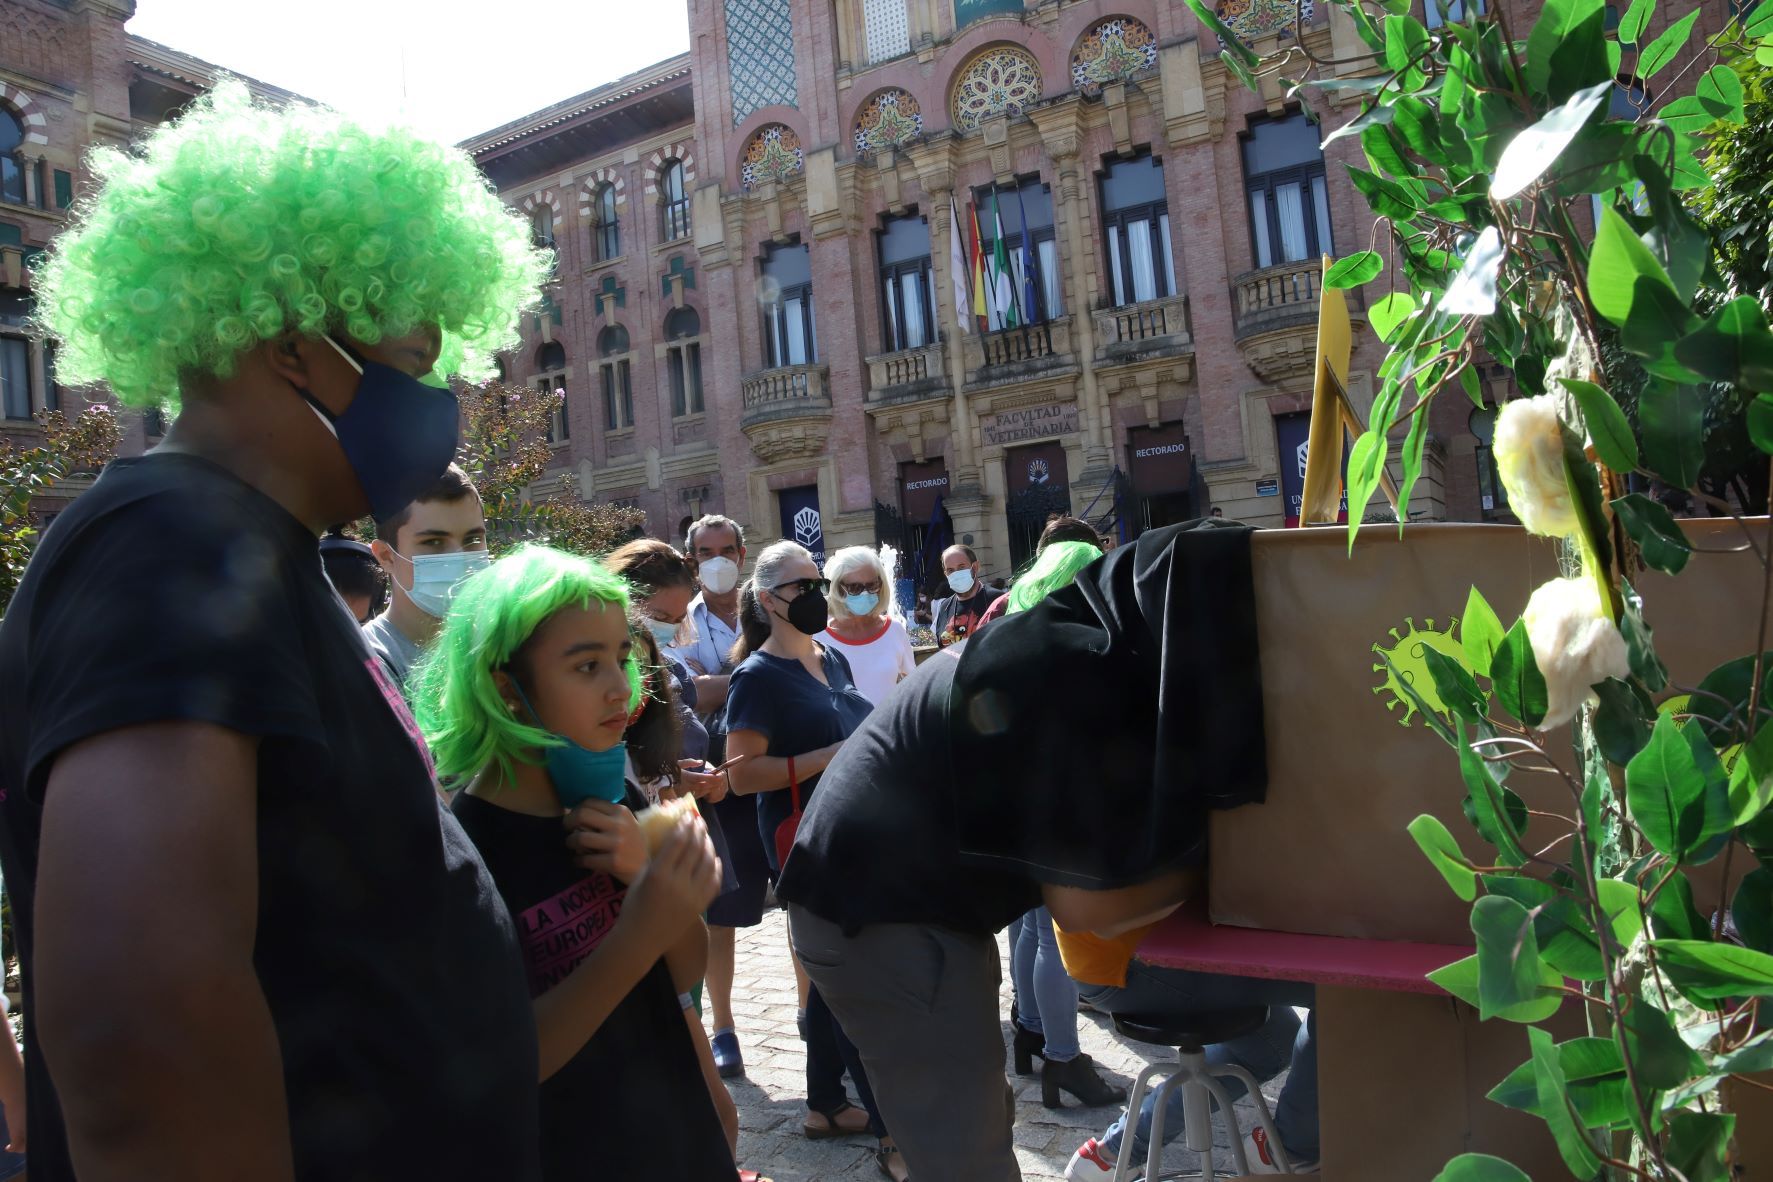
(774, 154)
(968, 11)
(1003, 80)
(887, 28)
(760, 56)
(1253, 19)
(890, 119)
(1114, 51)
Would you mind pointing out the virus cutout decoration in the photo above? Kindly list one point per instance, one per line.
(1406, 657)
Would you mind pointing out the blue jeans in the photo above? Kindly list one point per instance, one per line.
(1177, 993)
(1046, 997)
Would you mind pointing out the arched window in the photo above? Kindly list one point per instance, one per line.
(12, 168)
(683, 358)
(618, 387)
(674, 206)
(609, 230)
(551, 376)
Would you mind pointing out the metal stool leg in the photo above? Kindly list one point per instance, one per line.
(1211, 1086)
(1154, 1146)
(1263, 1116)
(1123, 1165)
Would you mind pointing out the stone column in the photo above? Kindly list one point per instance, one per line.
(29, 164)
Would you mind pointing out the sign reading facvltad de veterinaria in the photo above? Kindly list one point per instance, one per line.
(1029, 422)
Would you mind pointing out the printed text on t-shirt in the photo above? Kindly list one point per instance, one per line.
(558, 933)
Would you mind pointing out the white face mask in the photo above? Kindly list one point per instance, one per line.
(665, 635)
(718, 575)
(960, 581)
(435, 578)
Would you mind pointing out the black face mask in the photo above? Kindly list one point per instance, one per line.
(809, 613)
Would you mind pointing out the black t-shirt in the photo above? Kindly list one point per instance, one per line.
(878, 845)
(632, 1105)
(173, 591)
(780, 700)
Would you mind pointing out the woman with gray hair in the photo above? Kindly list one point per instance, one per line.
(863, 621)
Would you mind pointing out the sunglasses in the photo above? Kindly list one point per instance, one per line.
(807, 587)
(859, 588)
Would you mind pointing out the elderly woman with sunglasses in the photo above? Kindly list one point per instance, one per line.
(864, 624)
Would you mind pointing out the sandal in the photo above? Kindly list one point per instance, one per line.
(833, 1126)
(885, 1157)
(752, 1176)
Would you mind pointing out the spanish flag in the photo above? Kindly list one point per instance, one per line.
(981, 301)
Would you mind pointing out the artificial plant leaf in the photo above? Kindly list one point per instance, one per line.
(1427, 710)
(1382, 151)
(1678, 242)
(1461, 980)
(1708, 971)
(1490, 813)
(1415, 443)
(1658, 1054)
(1454, 685)
(1760, 422)
(1234, 64)
(1720, 701)
(1665, 789)
(1438, 846)
(1415, 122)
(1473, 290)
(1354, 270)
(1752, 909)
(1472, 385)
(1619, 259)
(1672, 418)
(1663, 546)
(1537, 148)
(1635, 21)
(1480, 633)
(1660, 52)
(1406, 43)
(1366, 461)
(1388, 313)
(1510, 973)
(1607, 427)
(1752, 1057)
(1554, 1106)
(1567, 48)
(1698, 1145)
(1387, 198)
(1673, 915)
(1593, 1071)
(1619, 726)
(1640, 642)
(1757, 24)
(1515, 676)
(1599, 161)
(1204, 13)
(1751, 778)
(1567, 940)
(1720, 92)
(1481, 1167)
(1733, 345)
(1369, 117)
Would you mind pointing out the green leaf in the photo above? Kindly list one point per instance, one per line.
(1354, 270)
(1618, 261)
(1698, 1145)
(1429, 712)
(1652, 526)
(1206, 16)
(1382, 151)
(1720, 92)
(1387, 198)
(1416, 122)
(1658, 1054)
(1480, 1167)
(1365, 464)
(1635, 21)
(1760, 422)
(1480, 633)
(1751, 778)
(1234, 63)
(1607, 427)
(1510, 973)
(1473, 290)
(1752, 909)
(1554, 1106)
(1472, 385)
(1640, 643)
(1594, 1072)
(1619, 726)
(1672, 418)
(1388, 313)
(1720, 701)
(1490, 813)
(1369, 117)
(1757, 25)
(1567, 940)
(1707, 971)
(1414, 445)
(1536, 149)
(1406, 41)
(1567, 48)
(1515, 676)
(1667, 47)
(1461, 980)
(1673, 915)
(1665, 789)
(1454, 685)
(1733, 345)
(1437, 844)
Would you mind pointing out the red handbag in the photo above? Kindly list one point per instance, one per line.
(791, 824)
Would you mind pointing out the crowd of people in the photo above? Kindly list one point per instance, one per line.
(345, 860)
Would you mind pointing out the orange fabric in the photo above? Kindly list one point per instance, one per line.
(1097, 960)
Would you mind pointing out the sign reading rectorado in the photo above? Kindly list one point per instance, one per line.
(1030, 422)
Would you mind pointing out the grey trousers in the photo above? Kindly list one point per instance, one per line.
(921, 1005)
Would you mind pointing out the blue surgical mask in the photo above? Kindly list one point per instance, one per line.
(580, 774)
(863, 604)
(398, 434)
(665, 635)
(960, 581)
(435, 578)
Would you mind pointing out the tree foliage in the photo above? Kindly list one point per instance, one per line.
(30, 468)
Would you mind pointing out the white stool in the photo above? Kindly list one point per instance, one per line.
(1200, 1088)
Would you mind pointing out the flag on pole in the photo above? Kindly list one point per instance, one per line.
(957, 270)
(1000, 266)
(1029, 306)
(981, 300)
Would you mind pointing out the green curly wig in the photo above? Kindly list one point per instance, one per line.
(494, 613)
(1058, 566)
(238, 222)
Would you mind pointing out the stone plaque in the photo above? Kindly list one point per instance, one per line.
(1029, 422)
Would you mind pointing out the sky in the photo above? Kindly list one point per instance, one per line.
(452, 68)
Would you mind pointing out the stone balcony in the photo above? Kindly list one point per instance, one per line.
(1275, 312)
(910, 375)
(786, 412)
(1140, 332)
(1018, 354)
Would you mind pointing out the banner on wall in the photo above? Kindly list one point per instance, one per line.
(1292, 434)
(968, 11)
(801, 521)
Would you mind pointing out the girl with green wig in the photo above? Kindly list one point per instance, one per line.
(215, 798)
(526, 695)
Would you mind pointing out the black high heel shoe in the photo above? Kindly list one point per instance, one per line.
(1029, 1046)
(1077, 1076)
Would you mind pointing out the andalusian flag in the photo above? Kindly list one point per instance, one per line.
(1000, 263)
(981, 300)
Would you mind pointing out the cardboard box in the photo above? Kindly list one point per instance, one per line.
(1328, 852)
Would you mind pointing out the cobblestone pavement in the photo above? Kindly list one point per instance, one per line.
(769, 1097)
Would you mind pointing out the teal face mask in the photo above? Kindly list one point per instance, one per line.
(580, 774)
(863, 604)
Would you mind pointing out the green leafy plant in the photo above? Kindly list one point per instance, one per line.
(1638, 337)
(31, 467)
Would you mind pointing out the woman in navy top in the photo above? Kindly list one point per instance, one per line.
(789, 708)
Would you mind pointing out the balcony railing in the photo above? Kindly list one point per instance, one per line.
(1013, 352)
(785, 393)
(1276, 297)
(908, 374)
(1139, 330)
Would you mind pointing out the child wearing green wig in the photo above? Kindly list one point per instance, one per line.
(247, 926)
(527, 694)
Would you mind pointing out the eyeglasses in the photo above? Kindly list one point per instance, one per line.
(807, 587)
(859, 588)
